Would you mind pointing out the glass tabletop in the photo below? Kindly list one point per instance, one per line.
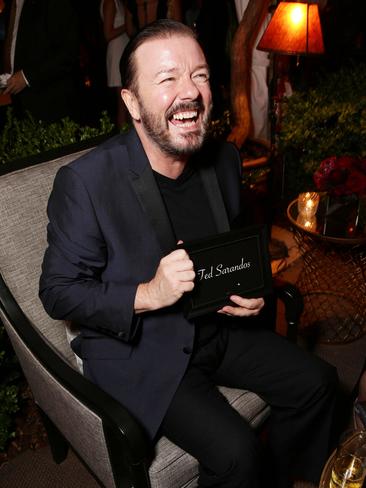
(335, 221)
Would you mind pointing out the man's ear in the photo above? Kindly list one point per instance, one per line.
(131, 103)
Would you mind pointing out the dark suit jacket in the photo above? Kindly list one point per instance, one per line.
(108, 231)
(47, 50)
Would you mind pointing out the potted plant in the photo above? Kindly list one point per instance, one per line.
(329, 119)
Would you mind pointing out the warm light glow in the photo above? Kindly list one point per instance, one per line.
(294, 29)
(307, 204)
(307, 223)
(297, 14)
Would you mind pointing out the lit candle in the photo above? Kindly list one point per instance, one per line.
(307, 223)
(307, 204)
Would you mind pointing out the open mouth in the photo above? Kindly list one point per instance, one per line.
(186, 118)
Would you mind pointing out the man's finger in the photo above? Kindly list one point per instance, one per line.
(249, 303)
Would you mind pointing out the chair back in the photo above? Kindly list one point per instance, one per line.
(23, 239)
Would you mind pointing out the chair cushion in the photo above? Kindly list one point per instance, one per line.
(173, 467)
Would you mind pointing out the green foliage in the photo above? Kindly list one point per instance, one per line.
(327, 120)
(9, 376)
(8, 406)
(28, 137)
(220, 128)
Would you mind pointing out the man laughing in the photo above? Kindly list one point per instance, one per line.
(112, 268)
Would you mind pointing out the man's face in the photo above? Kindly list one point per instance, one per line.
(173, 94)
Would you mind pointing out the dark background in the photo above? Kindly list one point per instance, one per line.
(343, 22)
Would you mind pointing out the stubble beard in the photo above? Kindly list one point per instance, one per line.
(157, 128)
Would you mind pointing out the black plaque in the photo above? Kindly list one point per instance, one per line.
(232, 263)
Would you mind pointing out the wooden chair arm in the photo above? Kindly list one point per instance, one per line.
(294, 305)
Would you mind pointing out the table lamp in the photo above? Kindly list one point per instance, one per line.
(294, 29)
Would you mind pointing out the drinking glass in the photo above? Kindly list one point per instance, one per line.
(349, 465)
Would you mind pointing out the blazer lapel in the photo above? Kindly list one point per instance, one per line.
(147, 191)
(209, 178)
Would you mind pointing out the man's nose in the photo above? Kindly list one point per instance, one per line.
(188, 89)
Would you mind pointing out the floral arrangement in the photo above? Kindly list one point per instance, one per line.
(341, 175)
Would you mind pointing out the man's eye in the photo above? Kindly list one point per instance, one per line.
(201, 77)
(167, 80)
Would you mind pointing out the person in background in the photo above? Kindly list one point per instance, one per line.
(113, 16)
(41, 57)
(139, 13)
(113, 268)
(259, 96)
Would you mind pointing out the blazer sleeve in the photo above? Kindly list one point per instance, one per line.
(71, 283)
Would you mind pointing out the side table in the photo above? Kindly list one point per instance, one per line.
(333, 278)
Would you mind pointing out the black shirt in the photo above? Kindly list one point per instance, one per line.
(187, 205)
(191, 218)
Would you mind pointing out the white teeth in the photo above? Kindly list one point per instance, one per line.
(185, 115)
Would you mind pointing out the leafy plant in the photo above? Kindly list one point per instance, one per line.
(25, 137)
(9, 403)
(8, 406)
(328, 120)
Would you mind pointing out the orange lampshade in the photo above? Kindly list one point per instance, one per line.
(294, 29)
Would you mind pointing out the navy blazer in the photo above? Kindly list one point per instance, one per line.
(108, 229)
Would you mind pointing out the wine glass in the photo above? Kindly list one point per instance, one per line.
(349, 464)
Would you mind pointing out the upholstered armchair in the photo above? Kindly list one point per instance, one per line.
(77, 413)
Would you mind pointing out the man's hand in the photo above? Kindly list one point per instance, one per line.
(16, 83)
(245, 307)
(174, 277)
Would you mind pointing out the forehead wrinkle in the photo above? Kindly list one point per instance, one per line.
(175, 69)
(166, 71)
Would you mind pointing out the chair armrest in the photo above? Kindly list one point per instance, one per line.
(293, 302)
(119, 425)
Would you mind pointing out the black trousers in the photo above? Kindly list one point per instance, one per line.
(299, 387)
